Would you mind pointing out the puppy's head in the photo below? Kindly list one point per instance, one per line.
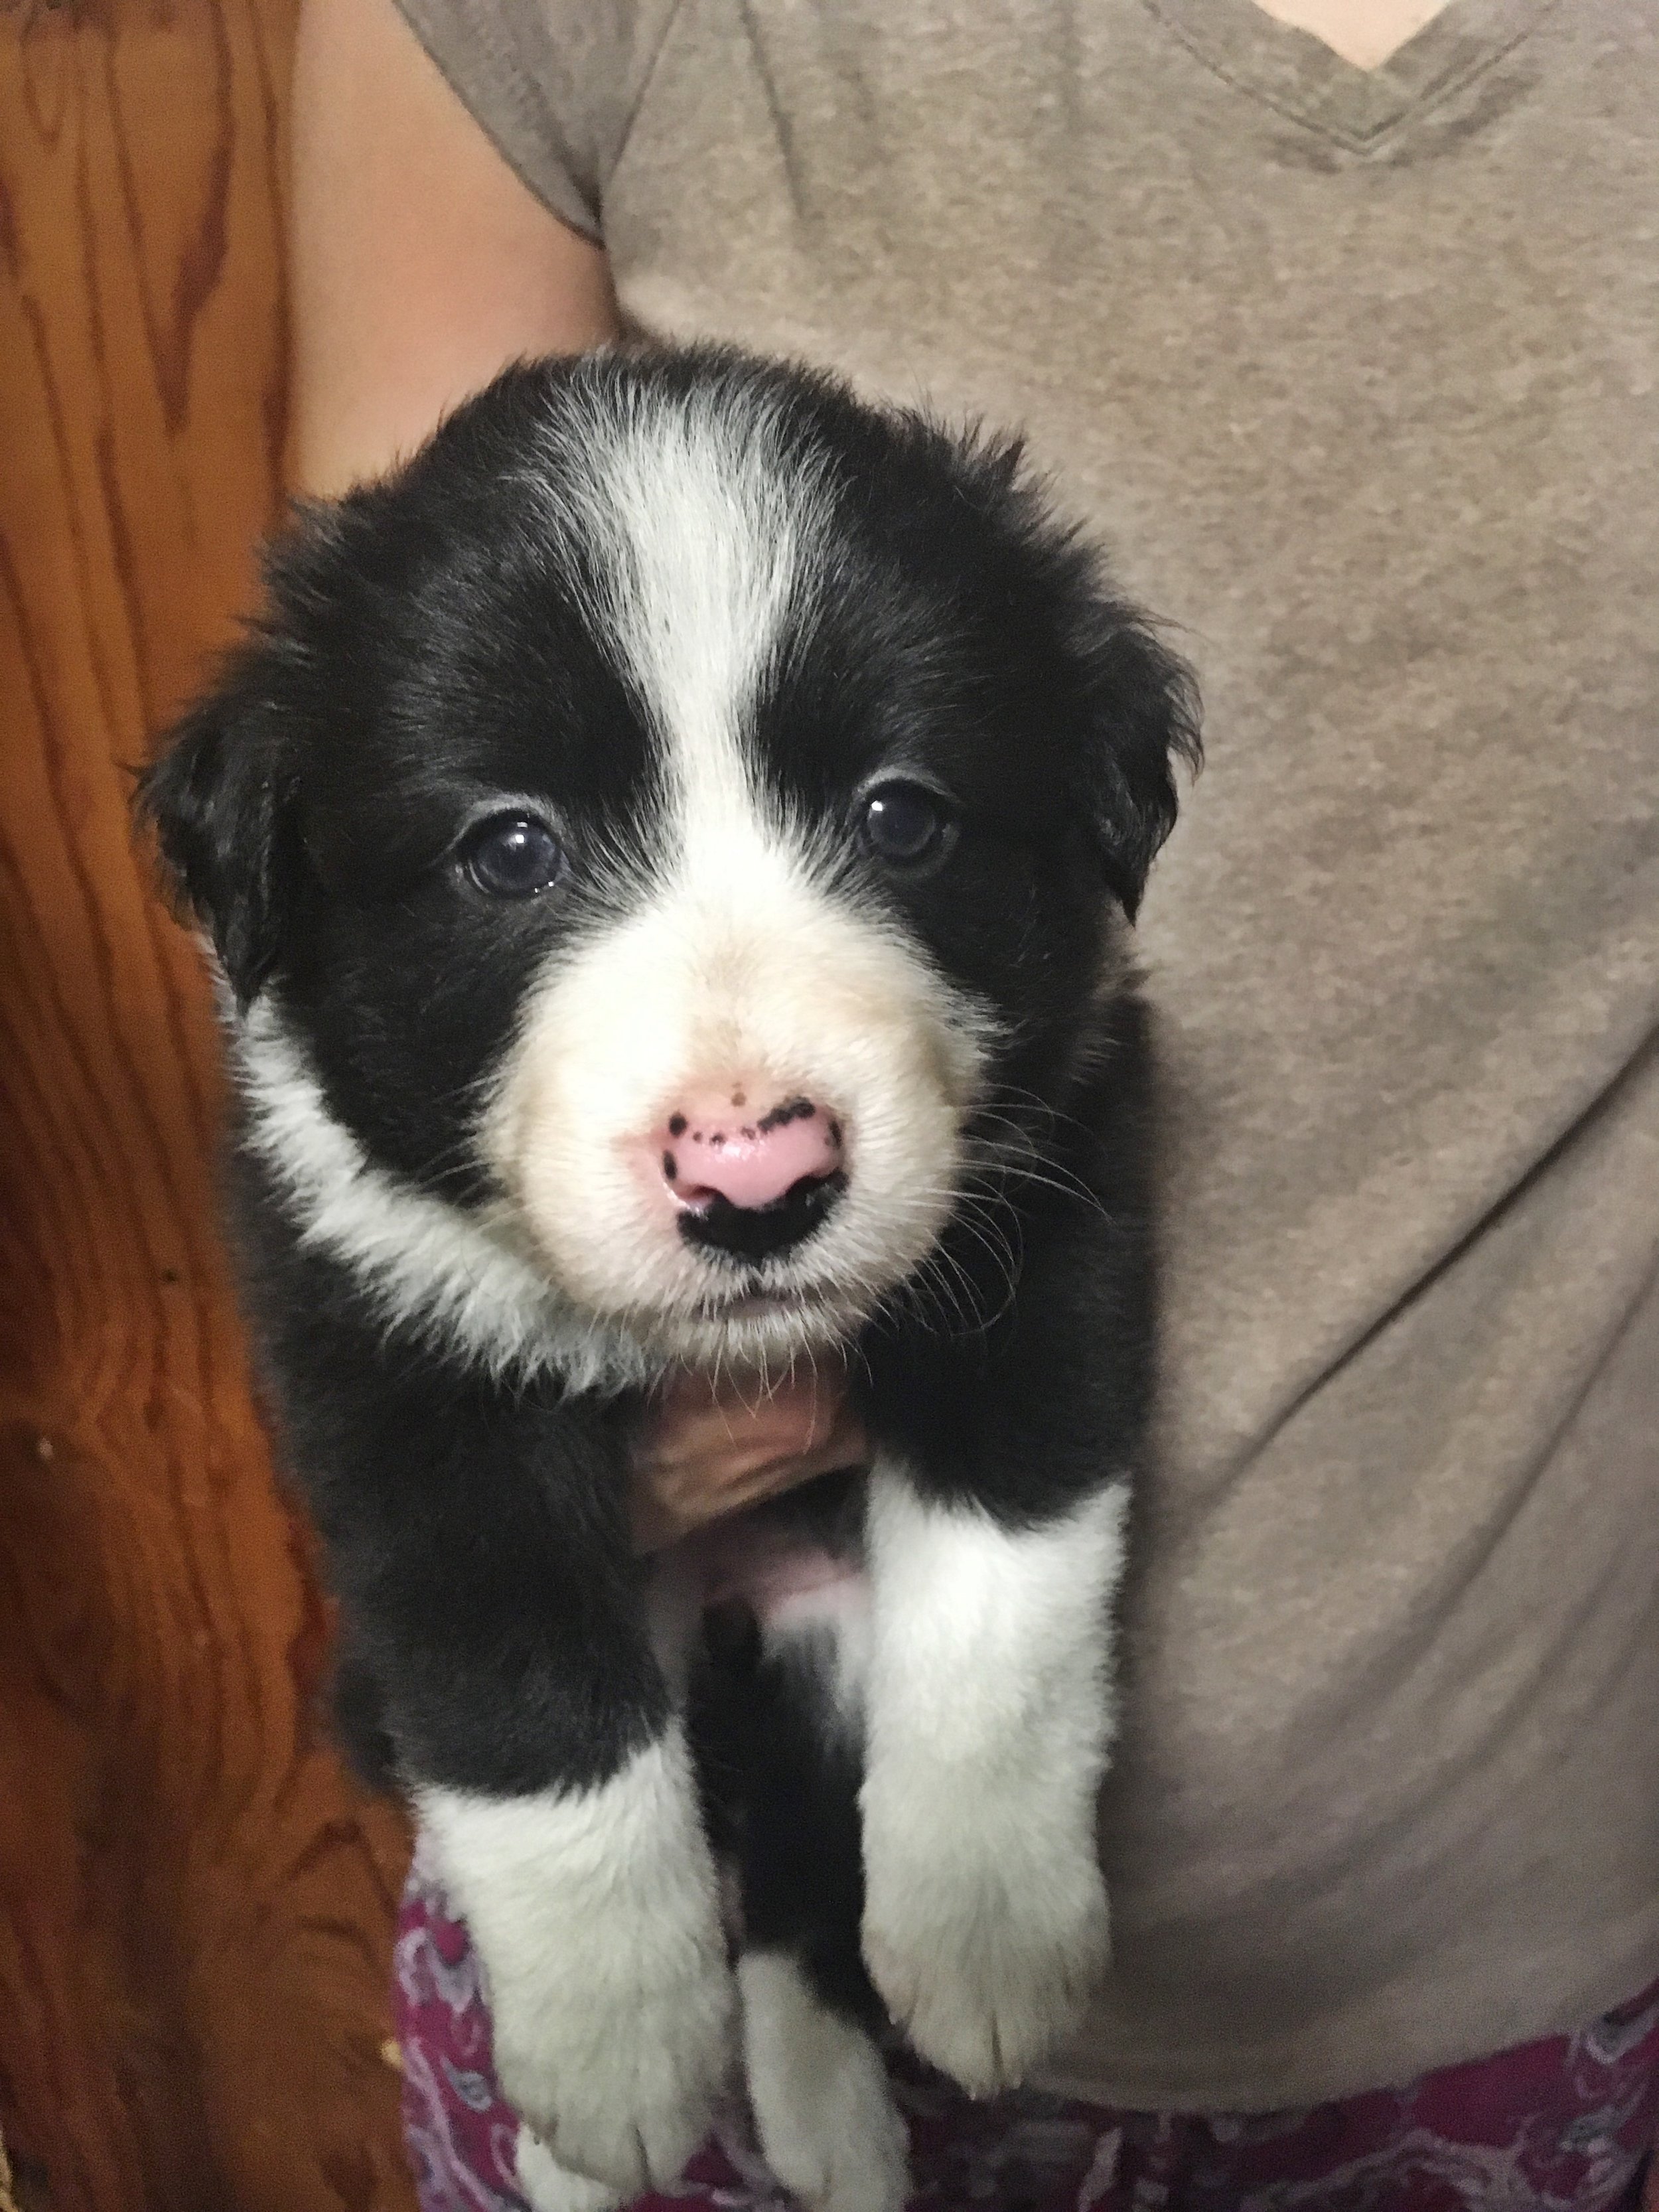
(641, 834)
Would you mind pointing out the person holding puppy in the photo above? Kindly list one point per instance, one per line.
(1337, 317)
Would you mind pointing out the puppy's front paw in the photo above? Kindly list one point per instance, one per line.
(550, 2187)
(618, 2079)
(596, 1919)
(985, 1964)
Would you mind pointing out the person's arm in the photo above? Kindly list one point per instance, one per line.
(421, 263)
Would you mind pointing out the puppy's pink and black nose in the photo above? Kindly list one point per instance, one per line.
(751, 1175)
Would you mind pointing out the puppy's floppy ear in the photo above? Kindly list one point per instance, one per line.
(222, 797)
(219, 800)
(1139, 701)
(1144, 714)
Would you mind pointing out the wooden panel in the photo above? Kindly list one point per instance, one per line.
(195, 1904)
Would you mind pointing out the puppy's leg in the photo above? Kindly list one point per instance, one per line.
(988, 1724)
(824, 2109)
(551, 2187)
(672, 1612)
(479, 1540)
(596, 1914)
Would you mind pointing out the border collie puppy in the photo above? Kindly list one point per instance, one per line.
(668, 849)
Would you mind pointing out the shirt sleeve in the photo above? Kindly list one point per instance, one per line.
(554, 83)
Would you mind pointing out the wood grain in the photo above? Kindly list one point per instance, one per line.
(196, 1904)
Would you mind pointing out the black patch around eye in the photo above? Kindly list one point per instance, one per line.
(512, 856)
(905, 825)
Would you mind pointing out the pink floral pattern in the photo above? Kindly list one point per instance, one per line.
(1562, 2125)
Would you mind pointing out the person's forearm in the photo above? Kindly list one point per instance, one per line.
(420, 265)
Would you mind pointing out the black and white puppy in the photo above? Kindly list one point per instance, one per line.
(667, 848)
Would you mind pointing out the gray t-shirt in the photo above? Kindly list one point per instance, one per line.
(1356, 375)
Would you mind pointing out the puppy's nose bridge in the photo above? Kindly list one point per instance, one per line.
(746, 1147)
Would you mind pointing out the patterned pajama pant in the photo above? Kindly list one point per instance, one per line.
(1563, 2125)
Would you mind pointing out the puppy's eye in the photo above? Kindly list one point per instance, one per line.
(904, 825)
(512, 856)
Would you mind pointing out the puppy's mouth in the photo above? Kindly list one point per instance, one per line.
(755, 1298)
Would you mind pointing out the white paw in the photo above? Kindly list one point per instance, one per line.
(824, 2114)
(596, 1919)
(990, 1715)
(551, 2187)
(986, 1964)
(619, 2078)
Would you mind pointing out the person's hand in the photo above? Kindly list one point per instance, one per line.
(710, 1450)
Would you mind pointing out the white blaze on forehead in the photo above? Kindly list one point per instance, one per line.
(695, 513)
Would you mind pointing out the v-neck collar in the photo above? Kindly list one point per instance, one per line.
(1302, 77)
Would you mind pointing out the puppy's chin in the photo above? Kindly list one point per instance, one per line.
(758, 1333)
(721, 1321)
